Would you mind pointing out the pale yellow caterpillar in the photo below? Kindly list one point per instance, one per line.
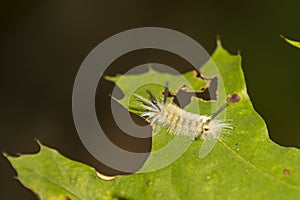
(181, 122)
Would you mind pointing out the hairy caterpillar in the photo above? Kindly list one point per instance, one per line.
(181, 122)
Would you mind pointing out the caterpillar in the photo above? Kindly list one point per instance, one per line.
(181, 122)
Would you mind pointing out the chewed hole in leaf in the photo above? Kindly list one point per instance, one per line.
(184, 95)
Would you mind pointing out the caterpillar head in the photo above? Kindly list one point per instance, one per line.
(205, 124)
(212, 127)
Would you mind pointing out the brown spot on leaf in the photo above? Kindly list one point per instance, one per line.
(233, 98)
(67, 198)
(286, 171)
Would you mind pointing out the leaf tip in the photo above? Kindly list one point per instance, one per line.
(112, 78)
(9, 157)
(239, 52)
(219, 42)
(109, 78)
(150, 68)
(291, 42)
(6, 155)
(284, 38)
(113, 98)
(38, 142)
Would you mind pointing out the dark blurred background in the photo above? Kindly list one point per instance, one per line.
(43, 43)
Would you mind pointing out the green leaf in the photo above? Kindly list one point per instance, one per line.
(52, 176)
(244, 165)
(292, 42)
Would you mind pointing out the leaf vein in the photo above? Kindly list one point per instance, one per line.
(259, 170)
